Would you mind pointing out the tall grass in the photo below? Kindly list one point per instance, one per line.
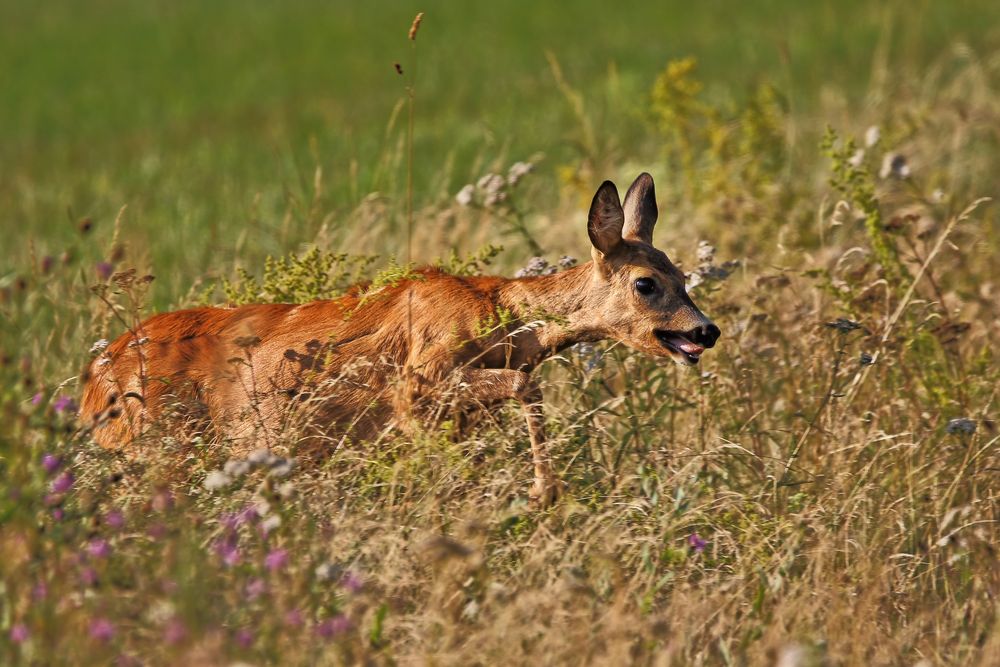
(822, 489)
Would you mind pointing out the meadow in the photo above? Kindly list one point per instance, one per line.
(822, 489)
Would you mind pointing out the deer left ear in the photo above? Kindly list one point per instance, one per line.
(640, 210)
(606, 219)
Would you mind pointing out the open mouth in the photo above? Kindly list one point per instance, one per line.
(682, 347)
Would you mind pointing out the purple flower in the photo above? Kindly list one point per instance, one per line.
(293, 618)
(228, 550)
(88, 576)
(255, 588)
(19, 633)
(175, 631)
(276, 560)
(64, 404)
(36, 399)
(62, 483)
(51, 463)
(332, 627)
(244, 637)
(98, 548)
(697, 542)
(351, 582)
(104, 270)
(114, 519)
(157, 531)
(57, 514)
(40, 591)
(102, 630)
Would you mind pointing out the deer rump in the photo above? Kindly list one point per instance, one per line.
(354, 364)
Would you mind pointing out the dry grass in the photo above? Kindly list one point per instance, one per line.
(822, 490)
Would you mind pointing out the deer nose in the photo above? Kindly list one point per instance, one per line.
(705, 335)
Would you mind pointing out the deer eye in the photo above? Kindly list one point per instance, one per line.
(645, 286)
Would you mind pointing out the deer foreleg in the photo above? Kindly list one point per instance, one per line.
(492, 384)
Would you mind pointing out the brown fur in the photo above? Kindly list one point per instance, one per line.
(356, 362)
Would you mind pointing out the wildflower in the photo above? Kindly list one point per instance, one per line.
(255, 588)
(236, 468)
(351, 582)
(98, 548)
(276, 560)
(36, 399)
(114, 519)
(465, 195)
(894, 164)
(19, 633)
(244, 637)
(705, 252)
(857, 159)
(57, 514)
(40, 591)
(64, 404)
(262, 457)
(517, 171)
(282, 468)
(104, 270)
(102, 630)
(491, 183)
(216, 480)
(536, 266)
(228, 550)
(99, 346)
(961, 425)
(88, 576)
(174, 632)
(332, 627)
(494, 198)
(293, 618)
(269, 524)
(51, 463)
(872, 135)
(566, 262)
(62, 483)
(696, 542)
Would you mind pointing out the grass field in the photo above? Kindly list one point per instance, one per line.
(822, 490)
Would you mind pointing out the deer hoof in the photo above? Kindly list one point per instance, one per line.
(546, 492)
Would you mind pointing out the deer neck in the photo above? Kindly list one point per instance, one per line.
(563, 304)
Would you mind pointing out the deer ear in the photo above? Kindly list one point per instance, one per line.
(606, 219)
(640, 210)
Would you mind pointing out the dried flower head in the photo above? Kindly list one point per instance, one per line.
(416, 25)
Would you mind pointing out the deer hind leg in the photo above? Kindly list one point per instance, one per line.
(488, 385)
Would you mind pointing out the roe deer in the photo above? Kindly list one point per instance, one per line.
(360, 359)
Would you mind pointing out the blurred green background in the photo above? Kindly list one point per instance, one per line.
(209, 119)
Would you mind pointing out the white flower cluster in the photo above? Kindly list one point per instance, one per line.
(708, 270)
(276, 466)
(493, 189)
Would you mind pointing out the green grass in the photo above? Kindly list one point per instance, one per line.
(784, 503)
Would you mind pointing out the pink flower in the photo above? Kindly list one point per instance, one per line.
(19, 633)
(64, 404)
(62, 483)
(293, 618)
(51, 463)
(333, 627)
(244, 637)
(102, 630)
(114, 519)
(37, 399)
(228, 550)
(697, 543)
(175, 631)
(276, 560)
(88, 576)
(255, 588)
(351, 582)
(98, 548)
(104, 270)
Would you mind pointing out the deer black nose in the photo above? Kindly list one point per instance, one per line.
(705, 335)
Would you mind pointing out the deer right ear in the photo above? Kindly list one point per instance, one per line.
(606, 219)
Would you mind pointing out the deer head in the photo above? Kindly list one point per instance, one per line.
(639, 295)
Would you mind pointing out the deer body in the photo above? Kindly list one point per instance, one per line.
(356, 363)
